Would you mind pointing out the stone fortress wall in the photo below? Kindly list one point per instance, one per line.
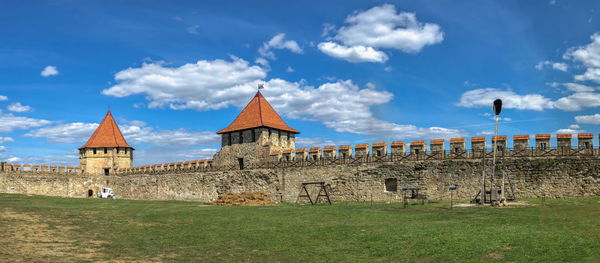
(369, 172)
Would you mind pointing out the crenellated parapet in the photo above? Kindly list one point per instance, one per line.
(38, 169)
(196, 165)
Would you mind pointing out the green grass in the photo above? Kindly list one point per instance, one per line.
(562, 230)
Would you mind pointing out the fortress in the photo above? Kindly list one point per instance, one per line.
(258, 154)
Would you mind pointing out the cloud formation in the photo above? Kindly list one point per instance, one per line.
(511, 100)
(49, 71)
(555, 65)
(380, 27)
(588, 119)
(279, 42)
(11, 123)
(18, 107)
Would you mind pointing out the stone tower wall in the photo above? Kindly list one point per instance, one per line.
(96, 163)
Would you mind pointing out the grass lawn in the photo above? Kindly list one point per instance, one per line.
(49, 229)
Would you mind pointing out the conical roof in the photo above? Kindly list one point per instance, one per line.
(107, 135)
(258, 113)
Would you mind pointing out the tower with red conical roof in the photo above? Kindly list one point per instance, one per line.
(256, 132)
(106, 151)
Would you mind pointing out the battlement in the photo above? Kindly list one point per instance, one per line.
(39, 169)
(169, 167)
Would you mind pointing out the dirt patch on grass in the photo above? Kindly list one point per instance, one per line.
(494, 256)
(27, 237)
(244, 199)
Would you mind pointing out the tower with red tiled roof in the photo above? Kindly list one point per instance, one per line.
(106, 150)
(256, 132)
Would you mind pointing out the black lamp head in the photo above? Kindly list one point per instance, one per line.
(497, 106)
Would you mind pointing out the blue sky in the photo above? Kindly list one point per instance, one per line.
(341, 72)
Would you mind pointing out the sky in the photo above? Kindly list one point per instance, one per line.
(341, 72)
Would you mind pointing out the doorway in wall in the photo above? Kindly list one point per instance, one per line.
(241, 162)
(106, 171)
(90, 193)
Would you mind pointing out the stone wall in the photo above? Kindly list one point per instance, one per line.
(529, 177)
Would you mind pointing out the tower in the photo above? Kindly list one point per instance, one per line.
(256, 132)
(107, 150)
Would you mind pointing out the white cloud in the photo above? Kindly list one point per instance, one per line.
(379, 27)
(289, 69)
(17, 107)
(589, 56)
(217, 84)
(578, 101)
(388, 69)
(2, 148)
(3, 98)
(588, 119)
(575, 87)
(573, 126)
(484, 133)
(10, 122)
(279, 42)
(81, 132)
(204, 85)
(193, 29)
(554, 65)
(353, 53)
(569, 131)
(49, 71)
(383, 27)
(313, 142)
(511, 100)
(6, 139)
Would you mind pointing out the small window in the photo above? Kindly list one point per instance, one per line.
(416, 151)
(125, 150)
(287, 158)
(456, 150)
(241, 163)
(229, 139)
(118, 150)
(94, 150)
(586, 145)
(543, 146)
(378, 153)
(270, 132)
(500, 148)
(344, 155)
(105, 150)
(253, 136)
(106, 171)
(391, 185)
(314, 157)
(241, 139)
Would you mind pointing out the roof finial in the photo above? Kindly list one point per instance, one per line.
(261, 86)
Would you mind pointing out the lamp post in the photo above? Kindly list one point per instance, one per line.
(497, 110)
(452, 188)
(404, 189)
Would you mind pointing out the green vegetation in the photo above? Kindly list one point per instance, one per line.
(35, 228)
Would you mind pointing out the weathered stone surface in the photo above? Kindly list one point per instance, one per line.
(529, 177)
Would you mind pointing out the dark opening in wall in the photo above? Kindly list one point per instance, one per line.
(106, 171)
(416, 151)
(543, 146)
(253, 136)
(229, 139)
(241, 162)
(586, 145)
(241, 139)
(90, 193)
(314, 157)
(94, 150)
(391, 185)
(456, 150)
(105, 150)
(379, 154)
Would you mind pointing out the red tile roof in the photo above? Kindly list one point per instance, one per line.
(542, 136)
(329, 148)
(107, 134)
(499, 138)
(379, 144)
(258, 113)
(361, 146)
(564, 136)
(585, 136)
(344, 147)
(300, 150)
(457, 140)
(419, 142)
(314, 149)
(477, 139)
(520, 137)
(398, 143)
(436, 142)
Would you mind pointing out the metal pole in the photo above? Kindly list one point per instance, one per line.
(494, 160)
(451, 199)
(482, 193)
